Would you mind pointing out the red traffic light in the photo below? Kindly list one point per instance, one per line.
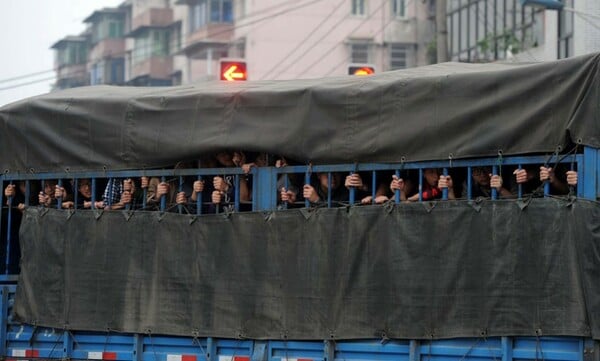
(361, 70)
(233, 71)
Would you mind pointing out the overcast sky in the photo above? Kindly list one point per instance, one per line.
(28, 29)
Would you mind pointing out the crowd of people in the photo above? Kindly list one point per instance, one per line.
(220, 192)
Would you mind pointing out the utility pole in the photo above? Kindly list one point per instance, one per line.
(442, 31)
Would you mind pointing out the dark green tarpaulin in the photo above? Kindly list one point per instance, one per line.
(424, 113)
(404, 272)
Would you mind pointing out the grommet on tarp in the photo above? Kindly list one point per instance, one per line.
(193, 218)
(127, 214)
(98, 213)
(267, 216)
(160, 216)
(389, 206)
(429, 206)
(476, 204)
(383, 337)
(70, 213)
(306, 212)
(523, 203)
(571, 199)
(43, 211)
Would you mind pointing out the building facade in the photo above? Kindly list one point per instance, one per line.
(171, 42)
(491, 30)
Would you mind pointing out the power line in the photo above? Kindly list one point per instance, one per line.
(79, 72)
(351, 33)
(172, 47)
(287, 56)
(25, 76)
(373, 35)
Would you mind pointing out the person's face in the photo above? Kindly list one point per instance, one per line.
(335, 180)
(431, 176)
(225, 159)
(85, 188)
(22, 187)
(49, 186)
(481, 175)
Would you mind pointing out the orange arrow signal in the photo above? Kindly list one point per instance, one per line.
(231, 75)
(233, 71)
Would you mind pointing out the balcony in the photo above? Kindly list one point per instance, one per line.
(155, 67)
(108, 48)
(154, 17)
(214, 35)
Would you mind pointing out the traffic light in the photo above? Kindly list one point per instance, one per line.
(361, 69)
(548, 4)
(233, 70)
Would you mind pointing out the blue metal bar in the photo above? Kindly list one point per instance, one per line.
(67, 345)
(547, 187)
(507, 348)
(93, 193)
(373, 186)
(75, 192)
(397, 191)
(285, 187)
(27, 192)
(420, 184)
(59, 199)
(199, 199)
(306, 182)
(8, 233)
(445, 190)
(43, 182)
(352, 191)
(494, 190)
(520, 185)
(590, 176)
(469, 183)
(138, 347)
(163, 198)
(236, 192)
(145, 194)
(179, 206)
(3, 317)
(415, 351)
(111, 181)
(329, 189)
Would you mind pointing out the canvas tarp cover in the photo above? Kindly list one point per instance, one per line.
(427, 113)
(409, 271)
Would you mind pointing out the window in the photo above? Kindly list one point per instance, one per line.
(360, 53)
(150, 44)
(565, 36)
(399, 56)
(358, 7)
(210, 11)
(73, 53)
(399, 8)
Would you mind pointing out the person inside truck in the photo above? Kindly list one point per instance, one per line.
(533, 179)
(483, 181)
(47, 196)
(169, 189)
(224, 191)
(18, 191)
(84, 195)
(433, 185)
(317, 192)
(119, 193)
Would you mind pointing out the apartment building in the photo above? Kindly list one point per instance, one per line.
(169, 42)
(531, 30)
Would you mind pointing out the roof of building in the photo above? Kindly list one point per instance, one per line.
(69, 39)
(97, 13)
